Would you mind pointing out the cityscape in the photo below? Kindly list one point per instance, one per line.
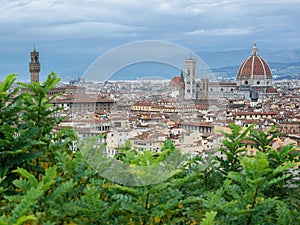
(159, 112)
(189, 112)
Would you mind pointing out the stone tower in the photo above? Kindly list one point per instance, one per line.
(190, 81)
(34, 66)
(204, 89)
(181, 90)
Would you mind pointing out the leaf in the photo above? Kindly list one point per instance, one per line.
(33, 181)
(24, 219)
(209, 218)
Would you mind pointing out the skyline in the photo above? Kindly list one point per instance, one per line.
(72, 34)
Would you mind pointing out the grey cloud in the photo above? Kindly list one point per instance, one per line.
(220, 32)
(73, 25)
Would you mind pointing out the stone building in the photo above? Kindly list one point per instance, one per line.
(254, 81)
(254, 77)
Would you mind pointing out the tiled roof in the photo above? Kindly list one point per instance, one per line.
(271, 90)
(254, 65)
(175, 82)
(83, 99)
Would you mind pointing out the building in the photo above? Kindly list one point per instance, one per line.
(190, 81)
(206, 128)
(177, 87)
(217, 90)
(34, 66)
(254, 81)
(254, 77)
(185, 89)
(92, 103)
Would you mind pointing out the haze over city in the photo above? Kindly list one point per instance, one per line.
(70, 35)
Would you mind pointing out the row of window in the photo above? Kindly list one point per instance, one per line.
(257, 82)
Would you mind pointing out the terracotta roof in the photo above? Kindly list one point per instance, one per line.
(196, 124)
(271, 90)
(83, 99)
(142, 104)
(254, 65)
(254, 113)
(223, 83)
(71, 87)
(175, 81)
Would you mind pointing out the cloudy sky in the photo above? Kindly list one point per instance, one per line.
(71, 34)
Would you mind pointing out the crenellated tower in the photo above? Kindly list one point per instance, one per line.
(34, 66)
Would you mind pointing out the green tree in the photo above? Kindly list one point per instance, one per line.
(27, 120)
(12, 136)
(232, 147)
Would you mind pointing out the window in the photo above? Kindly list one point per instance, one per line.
(246, 82)
(258, 82)
(221, 89)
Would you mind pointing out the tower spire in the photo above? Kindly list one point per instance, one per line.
(254, 49)
(181, 76)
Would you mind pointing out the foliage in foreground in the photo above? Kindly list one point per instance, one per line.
(43, 182)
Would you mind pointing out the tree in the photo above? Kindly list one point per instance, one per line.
(232, 148)
(27, 121)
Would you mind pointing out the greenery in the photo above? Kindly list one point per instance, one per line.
(44, 182)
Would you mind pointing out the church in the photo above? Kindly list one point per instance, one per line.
(253, 82)
(254, 77)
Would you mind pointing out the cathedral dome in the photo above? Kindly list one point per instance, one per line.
(254, 65)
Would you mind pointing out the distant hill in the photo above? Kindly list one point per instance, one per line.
(235, 57)
(285, 64)
(279, 70)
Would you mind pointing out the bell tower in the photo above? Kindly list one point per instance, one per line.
(190, 82)
(34, 66)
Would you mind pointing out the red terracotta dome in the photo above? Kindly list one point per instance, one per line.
(254, 65)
